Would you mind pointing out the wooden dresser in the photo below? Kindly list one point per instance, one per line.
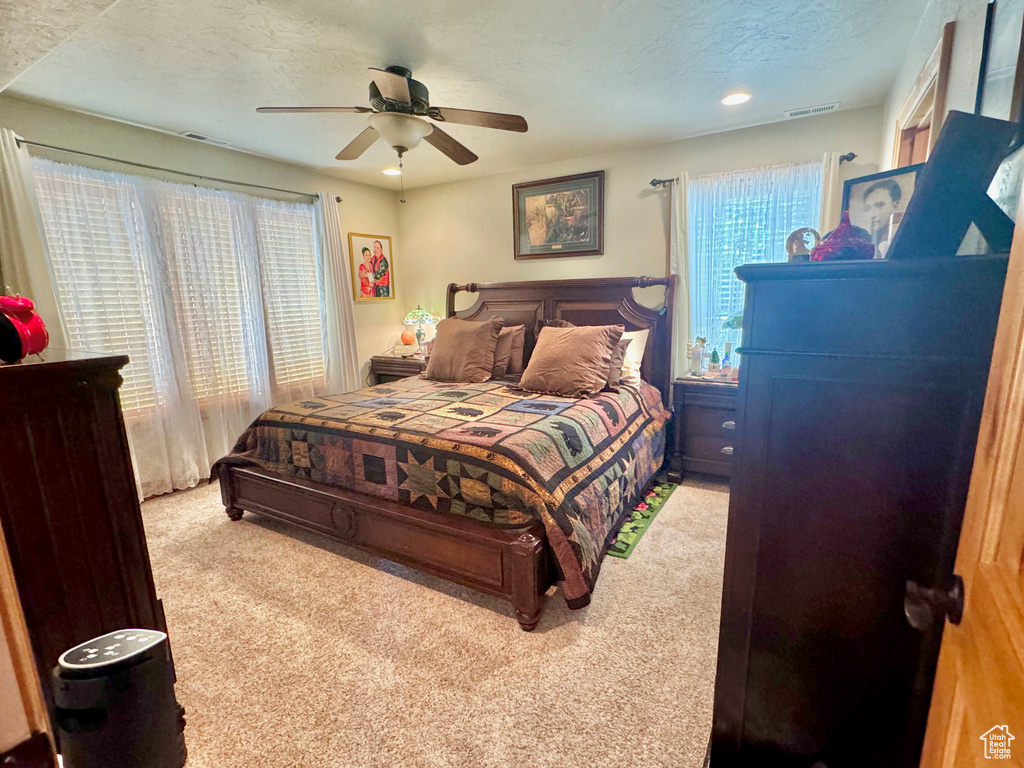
(68, 506)
(859, 406)
(704, 424)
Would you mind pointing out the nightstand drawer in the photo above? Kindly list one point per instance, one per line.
(708, 421)
(705, 428)
(386, 368)
(708, 448)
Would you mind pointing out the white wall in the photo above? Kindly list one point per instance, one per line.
(462, 231)
(965, 63)
(363, 208)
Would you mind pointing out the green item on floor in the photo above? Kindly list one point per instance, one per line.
(638, 523)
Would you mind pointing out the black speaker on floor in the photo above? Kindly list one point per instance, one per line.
(115, 705)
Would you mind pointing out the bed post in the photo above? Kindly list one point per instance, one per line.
(528, 584)
(227, 493)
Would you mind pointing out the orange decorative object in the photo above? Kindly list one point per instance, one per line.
(408, 337)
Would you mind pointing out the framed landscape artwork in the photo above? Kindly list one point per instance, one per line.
(373, 267)
(877, 202)
(559, 217)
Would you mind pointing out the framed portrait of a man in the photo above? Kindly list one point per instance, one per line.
(373, 267)
(876, 203)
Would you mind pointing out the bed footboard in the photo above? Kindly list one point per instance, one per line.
(510, 564)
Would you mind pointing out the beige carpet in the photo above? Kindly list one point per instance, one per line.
(295, 651)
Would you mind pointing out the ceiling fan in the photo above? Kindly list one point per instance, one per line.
(399, 105)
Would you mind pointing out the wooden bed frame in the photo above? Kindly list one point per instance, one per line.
(513, 564)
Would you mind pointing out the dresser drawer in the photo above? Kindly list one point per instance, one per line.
(708, 421)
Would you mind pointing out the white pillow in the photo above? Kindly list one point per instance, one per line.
(634, 357)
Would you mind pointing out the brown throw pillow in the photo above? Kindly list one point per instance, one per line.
(464, 350)
(572, 362)
(505, 351)
(541, 324)
(615, 366)
(515, 361)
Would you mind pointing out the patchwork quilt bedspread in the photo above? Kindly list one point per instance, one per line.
(486, 451)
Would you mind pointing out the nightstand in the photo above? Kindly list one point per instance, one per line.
(387, 368)
(704, 412)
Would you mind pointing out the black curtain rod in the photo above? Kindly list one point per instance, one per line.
(848, 157)
(167, 170)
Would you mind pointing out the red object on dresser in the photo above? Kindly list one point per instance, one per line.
(22, 331)
(843, 243)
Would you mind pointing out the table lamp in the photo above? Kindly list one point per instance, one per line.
(420, 317)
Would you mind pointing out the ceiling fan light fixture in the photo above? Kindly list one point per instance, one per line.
(739, 97)
(392, 172)
(401, 132)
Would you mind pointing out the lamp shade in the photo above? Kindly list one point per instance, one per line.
(402, 132)
(420, 317)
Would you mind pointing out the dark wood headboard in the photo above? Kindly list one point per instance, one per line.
(596, 301)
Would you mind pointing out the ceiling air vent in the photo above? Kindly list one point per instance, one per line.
(206, 139)
(792, 114)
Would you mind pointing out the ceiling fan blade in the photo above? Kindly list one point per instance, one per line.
(391, 86)
(497, 120)
(313, 109)
(358, 145)
(450, 147)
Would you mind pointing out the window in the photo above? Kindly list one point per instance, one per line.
(215, 300)
(742, 217)
(103, 282)
(221, 285)
(291, 287)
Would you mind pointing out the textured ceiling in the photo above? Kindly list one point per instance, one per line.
(588, 75)
(30, 29)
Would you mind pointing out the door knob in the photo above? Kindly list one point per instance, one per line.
(923, 606)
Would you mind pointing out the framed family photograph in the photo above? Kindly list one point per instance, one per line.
(876, 203)
(373, 267)
(559, 217)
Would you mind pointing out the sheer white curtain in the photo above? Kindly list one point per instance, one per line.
(742, 217)
(342, 360)
(216, 297)
(831, 193)
(205, 244)
(679, 265)
(107, 273)
(23, 264)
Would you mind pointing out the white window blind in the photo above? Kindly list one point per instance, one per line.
(104, 287)
(292, 293)
(742, 217)
(216, 298)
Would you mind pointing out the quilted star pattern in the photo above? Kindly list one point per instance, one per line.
(484, 451)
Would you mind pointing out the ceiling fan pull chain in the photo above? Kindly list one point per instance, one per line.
(401, 178)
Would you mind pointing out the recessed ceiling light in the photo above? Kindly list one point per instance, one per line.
(733, 99)
(392, 172)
